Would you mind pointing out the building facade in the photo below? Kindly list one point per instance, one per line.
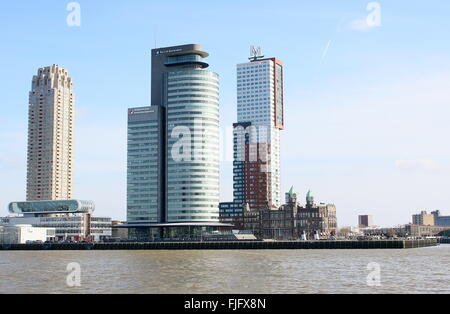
(72, 219)
(232, 213)
(23, 234)
(145, 177)
(365, 221)
(50, 135)
(279, 224)
(439, 220)
(256, 138)
(410, 230)
(253, 222)
(260, 105)
(173, 145)
(293, 221)
(424, 230)
(119, 233)
(423, 219)
(317, 221)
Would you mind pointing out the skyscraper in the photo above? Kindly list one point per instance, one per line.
(50, 135)
(260, 106)
(365, 221)
(145, 166)
(173, 145)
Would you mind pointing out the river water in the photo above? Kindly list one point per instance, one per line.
(425, 270)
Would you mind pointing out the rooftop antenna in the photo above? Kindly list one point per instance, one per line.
(156, 36)
(255, 53)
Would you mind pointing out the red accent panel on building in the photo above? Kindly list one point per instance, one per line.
(257, 179)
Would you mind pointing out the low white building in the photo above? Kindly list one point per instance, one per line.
(23, 234)
(72, 219)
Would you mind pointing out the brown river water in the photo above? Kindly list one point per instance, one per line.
(425, 270)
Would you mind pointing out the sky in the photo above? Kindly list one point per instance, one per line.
(367, 92)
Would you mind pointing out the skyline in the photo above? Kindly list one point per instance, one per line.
(374, 156)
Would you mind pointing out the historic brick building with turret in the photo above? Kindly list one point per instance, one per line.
(293, 220)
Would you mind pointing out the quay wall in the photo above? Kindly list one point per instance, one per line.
(229, 245)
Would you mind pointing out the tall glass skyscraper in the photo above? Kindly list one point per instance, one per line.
(256, 136)
(193, 181)
(261, 111)
(144, 155)
(173, 145)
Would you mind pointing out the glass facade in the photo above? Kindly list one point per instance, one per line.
(260, 102)
(76, 226)
(181, 233)
(183, 59)
(143, 175)
(192, 121)
(173, 146)
(37, 207)
(243, 136)
(232, 213)
(279, 116)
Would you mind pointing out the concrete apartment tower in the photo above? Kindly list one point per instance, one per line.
(176, 193)
(50, 135)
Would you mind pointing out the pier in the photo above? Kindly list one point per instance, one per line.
(227, 245)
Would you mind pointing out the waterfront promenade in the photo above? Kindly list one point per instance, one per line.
(228, 245)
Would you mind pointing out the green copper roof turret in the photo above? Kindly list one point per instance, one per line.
(292, 191)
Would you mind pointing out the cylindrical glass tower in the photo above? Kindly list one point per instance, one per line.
(192, 107)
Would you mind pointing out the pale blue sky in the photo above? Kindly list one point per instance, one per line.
(367, 120)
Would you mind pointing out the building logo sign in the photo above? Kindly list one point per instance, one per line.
(160, 52)
(256, 53)
(141, 110)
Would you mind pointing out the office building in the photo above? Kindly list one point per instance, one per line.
(173, 148)
(425, 230)
(439, 220)
(50, 135)
(256, 138)
(23, 234)
(72, 220)
(119, 233)
(423, 219)
(407, 231)
(232, 213)
(260, 105)
(145, 169)
(365, 221)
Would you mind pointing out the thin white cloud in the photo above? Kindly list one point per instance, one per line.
(416, 164)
